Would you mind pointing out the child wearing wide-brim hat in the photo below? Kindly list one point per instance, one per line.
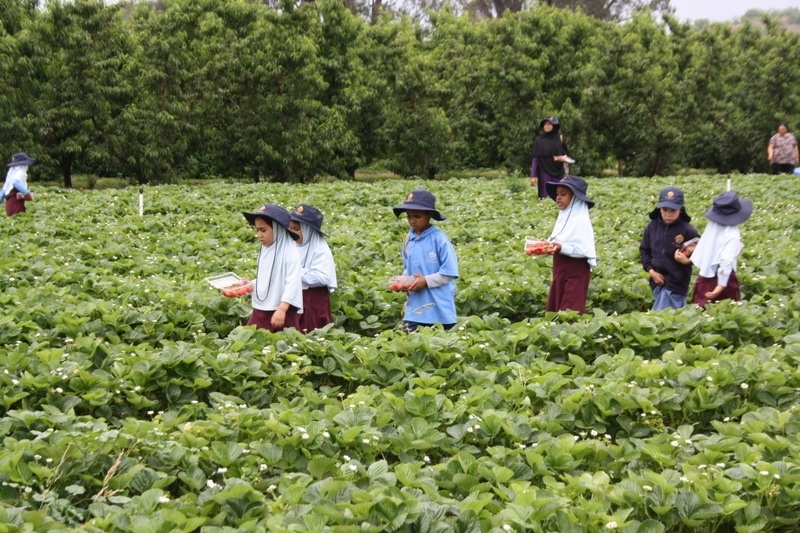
(719, 247)
(662, 248)
(277, 296)
(574, 254)
(317, 269)
(428, 256)
(15, 188)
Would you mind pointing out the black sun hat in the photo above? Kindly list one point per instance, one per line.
(420, 200)
(272, 212)
(576, 184)
(21, 158)
(551, 119)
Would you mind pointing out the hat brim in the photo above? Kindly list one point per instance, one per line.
(436, 215)
(734, 219)
(251, 218)
(551, 187)
(671, 205)
(26, 162)
(299, 220)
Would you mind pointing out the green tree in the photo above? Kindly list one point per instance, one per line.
(504, 75)
(614, 10)
(417, 132)
(634, 104)
(77, 52)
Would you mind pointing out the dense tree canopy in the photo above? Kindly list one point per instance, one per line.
(292, 91)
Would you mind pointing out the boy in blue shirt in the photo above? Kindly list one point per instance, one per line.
(429, 256)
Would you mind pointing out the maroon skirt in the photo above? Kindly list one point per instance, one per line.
(316, 309)
(703, 285)
(16, 205)
(570, 284)
(263, 319)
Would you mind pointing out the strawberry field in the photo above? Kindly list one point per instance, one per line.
(133, 399)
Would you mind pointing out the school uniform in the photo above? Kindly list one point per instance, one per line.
(16, 182)
(429, 254)
(719, 247)
(318, 279)
(657, 250)
(432, 255)
(572, 265)
(278, 273)
(16, 205)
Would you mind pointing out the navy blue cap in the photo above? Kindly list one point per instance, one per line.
(671, 197)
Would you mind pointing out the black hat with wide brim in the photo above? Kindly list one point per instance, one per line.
(21, 158)
(552, 120)
(576, 184)
(272, 212)
(420, 200)
(729, 210)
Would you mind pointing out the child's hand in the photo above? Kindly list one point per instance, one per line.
(419, 283)
(534, 182)
(555, 248)
(682, 258)
(658, 279)
(712, 295)
(278, 318)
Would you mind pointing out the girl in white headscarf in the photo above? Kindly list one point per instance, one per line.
(15, 188)
(277, 295)
(318, 271)
(574, 254)
(718, 249)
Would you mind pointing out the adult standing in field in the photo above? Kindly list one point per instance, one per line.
(782, 152)
(549, 156)
(718, 249)
(15, 189)
(317, 269)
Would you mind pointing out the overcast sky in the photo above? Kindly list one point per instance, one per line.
(724, 10)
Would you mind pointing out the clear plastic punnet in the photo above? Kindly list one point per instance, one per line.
(534, 246)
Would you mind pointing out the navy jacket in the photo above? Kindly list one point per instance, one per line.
(657, 250)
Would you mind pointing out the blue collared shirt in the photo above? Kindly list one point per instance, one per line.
(426, 254)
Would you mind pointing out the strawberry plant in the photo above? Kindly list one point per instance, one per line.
(134, 398)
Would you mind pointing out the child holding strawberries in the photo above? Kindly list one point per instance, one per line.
(277, 291)
(573, 249)
(430, 258)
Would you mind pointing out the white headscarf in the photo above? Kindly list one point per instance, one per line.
(574, 232)
(717, 250)
(16, 174)
(316, 256)
(278, 276)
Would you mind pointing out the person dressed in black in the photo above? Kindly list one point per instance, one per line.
(549, 156)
